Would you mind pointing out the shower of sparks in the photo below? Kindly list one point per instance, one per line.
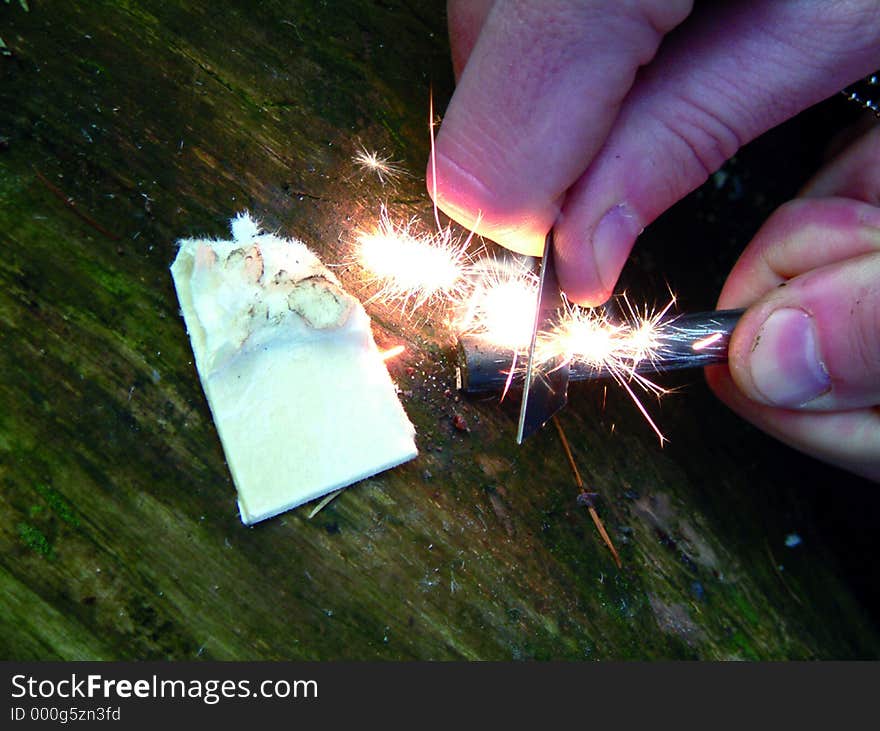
(501, 310)
(587, 338)
(501, 306)
(412, 267)
(496, 298)
(502, 301)
(386, 169)
(647, 333)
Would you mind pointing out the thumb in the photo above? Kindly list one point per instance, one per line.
(540, 90)
(729, 74)
(814, 343)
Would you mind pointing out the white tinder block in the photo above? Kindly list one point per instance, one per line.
(298, 390)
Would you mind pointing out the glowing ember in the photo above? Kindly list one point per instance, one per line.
(387, 355)
(412, 267)
(383, 167)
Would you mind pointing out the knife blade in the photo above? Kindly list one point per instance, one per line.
(544, 393)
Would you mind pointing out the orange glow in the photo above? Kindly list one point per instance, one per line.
(707, 341)
(387, 355)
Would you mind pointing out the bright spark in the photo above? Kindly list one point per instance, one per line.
(584, 336)
(384, 168)
(587, 338)
(496, 298)
(501, 309)
(501, 306)
(412, 267)
(646, 330)
(707, 341)
(387, 355)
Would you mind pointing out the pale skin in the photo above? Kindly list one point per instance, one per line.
(595, 117)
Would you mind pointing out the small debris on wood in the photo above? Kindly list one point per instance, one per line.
(459, 423)
(585, 497)
(497, 503)
(326, 501)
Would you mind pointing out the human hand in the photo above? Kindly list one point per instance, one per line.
(804, 360)
(598, 116)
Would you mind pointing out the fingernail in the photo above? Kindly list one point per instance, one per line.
(785, 361)
(612, 241)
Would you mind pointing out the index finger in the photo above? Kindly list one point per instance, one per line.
(517, 132)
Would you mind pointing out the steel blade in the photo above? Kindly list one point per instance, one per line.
(544, 392)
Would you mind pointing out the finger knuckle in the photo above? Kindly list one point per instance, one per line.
(866, 331)
(702, 134)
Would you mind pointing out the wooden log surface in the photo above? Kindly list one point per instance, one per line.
(127, 125)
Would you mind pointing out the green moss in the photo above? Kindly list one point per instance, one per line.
(743, 606)
(59, 505)
(743, 647)
(34, 539)
(91, 67)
